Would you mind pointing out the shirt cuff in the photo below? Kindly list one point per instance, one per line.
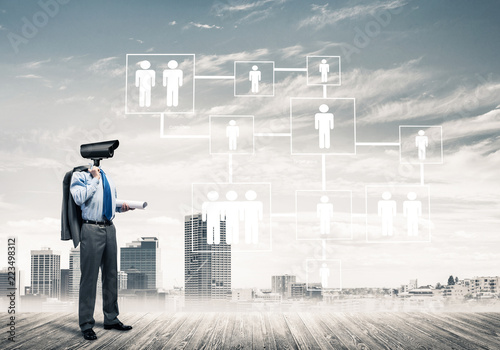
(94, 182)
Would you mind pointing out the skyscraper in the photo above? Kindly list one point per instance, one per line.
(74, 273)
(283, 285)
(143, 255)
(65, 284)
(207, 267)
(46, 273)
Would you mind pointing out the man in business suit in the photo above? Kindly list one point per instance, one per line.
(95, 193)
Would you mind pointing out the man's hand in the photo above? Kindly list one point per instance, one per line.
(95, 172)
(125, 207)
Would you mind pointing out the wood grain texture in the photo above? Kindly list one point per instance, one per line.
(255, 330)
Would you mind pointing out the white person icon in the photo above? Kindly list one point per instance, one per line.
(255, 76)
(324, 122)
(232, 133)
(387, 210)
(230, 213)
(324, 68)
(421, 142)
(251, 212)
(325, 214)
(145, 80)
(412, 210)
(324, 273)
(211, 212)
(173, 79)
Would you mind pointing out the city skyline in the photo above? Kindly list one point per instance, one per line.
(403, 63)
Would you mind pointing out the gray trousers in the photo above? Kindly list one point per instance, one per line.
(98, 249)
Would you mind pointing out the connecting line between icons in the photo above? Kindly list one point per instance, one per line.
(394, 144)
(215, 77)
(290, 69)
(230, 166)
(163, 136)
(323, 171)
(421, 174)
(323, 244)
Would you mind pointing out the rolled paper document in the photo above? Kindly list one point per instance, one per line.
(132, 204)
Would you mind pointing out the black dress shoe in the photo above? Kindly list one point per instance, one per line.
(119, 326)
(89, 334)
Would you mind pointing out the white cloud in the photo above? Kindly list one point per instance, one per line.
(74, 99)
(163, 220)
(173, 23)
(37, 64)
(44, 225)
(202, 26)
(323, 15)
(29, 76)
(138, 40)
(109, 67)
(248, 12)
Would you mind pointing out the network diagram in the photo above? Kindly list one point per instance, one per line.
(164, 84)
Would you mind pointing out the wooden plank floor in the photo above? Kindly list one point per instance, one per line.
(256, 330)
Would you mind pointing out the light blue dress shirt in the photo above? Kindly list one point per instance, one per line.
(88, 194)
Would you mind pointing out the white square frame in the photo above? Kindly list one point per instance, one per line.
(397, 186)
(324, 84)
(321, 239)
(159, 54)
(324, 260)
(236, 183)
(322, 153)
(228, 116)
(421, 126)
(257, 62)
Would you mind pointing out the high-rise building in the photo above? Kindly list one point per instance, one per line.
(46, 273)
(74, 274)
(207, 267)
(136, 279)
(282, 285)
(65, 284)
(4, 282)
(143, 255)
(122, 280)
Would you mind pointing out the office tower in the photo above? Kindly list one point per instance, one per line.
(74, 273)
(65, 284)
(282, 285)
(136, 279)
(142, 255)
(46, 273)
(122, 280)
(4, 283)
(207, 266)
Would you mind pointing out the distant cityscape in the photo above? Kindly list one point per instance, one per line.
(207, 284)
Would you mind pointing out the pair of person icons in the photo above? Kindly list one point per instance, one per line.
(412, 210)
(232, 212)
(145, 80)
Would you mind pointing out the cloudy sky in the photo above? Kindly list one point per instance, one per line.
(405, 62)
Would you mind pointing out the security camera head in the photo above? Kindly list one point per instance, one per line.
(99, 150)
